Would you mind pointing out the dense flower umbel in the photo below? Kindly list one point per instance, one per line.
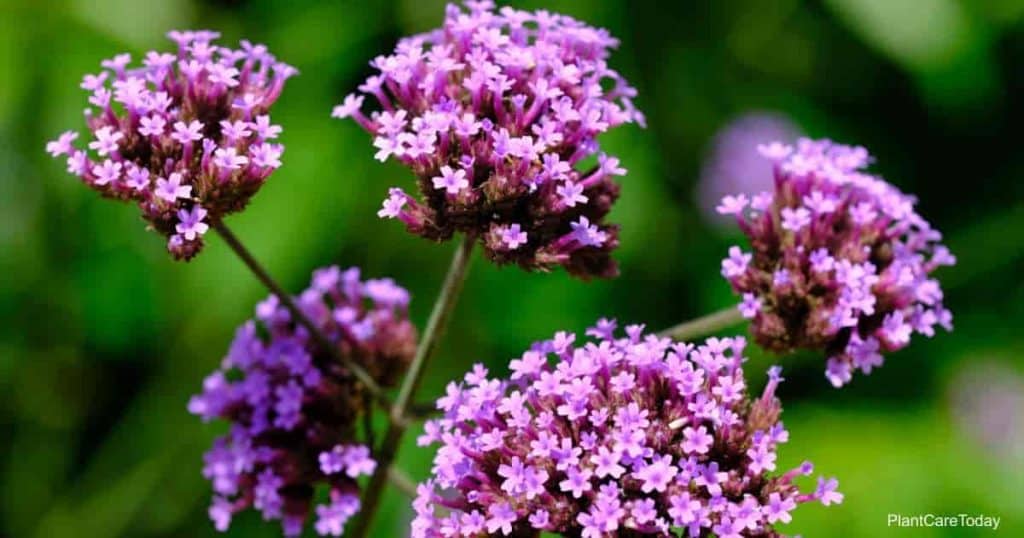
(294, 411)
(494, 113)
(186, 135)
(619, 437)
(840, 261)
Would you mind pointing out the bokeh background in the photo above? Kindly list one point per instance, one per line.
(103, 338)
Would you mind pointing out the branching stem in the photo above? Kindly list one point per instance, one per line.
(705, 325)
(398, 422)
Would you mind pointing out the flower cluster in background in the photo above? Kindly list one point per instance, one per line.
(732, 163)
(186, 136)
(497, 114)
(987, 404)
(621, 435)
(840, 260)
(293, 412)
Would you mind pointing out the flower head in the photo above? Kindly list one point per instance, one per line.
(840, 261)
(293, 411)
(182, 132)
(497, 114)
(618, 436)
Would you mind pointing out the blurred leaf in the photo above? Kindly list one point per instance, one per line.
(936, 39)
(138, 23)
(924, 35)
(110, 511)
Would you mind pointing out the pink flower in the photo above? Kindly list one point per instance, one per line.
(499, 109)
(853, 251)
(451, 181)
(621, 466)
(171, 189)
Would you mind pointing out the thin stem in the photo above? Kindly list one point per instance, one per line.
(436, 324)
(368, 419)
(286, 300)
(704, 326)
(443, 306)
(402, 481)
(414, 412)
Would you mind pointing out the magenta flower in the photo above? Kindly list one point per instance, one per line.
(293, 411)
(840, 262)
(513, 236)
(451, 181)
(171, 189)
(190, 223)
(497, 115)
(615, 437)
(182, 131)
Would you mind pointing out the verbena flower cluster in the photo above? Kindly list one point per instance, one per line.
(840, 260)
(620, 436)
(293, 411)
(497, 114)
(186, 136)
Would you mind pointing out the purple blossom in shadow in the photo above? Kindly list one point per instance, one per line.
(293, 411)
(732, 164)
(497, 114)
(185, 133)
(624, 436)
(840, 261)
(987, 403)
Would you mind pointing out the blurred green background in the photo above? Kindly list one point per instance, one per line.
(103, 338)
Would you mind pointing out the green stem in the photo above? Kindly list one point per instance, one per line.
(402, 481)
(385, 456)
(286, 300)
(705, 325)
(368, 419)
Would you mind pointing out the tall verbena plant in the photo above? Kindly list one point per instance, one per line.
(497, 115)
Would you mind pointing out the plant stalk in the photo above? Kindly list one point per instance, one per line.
(286, 300)
(705, 325)
(398, 422)
(402, 481)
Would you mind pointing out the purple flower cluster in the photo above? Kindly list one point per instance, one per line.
(293, 411)
(840, 260)
(186, 135)
(619, 437)
(495, 113)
